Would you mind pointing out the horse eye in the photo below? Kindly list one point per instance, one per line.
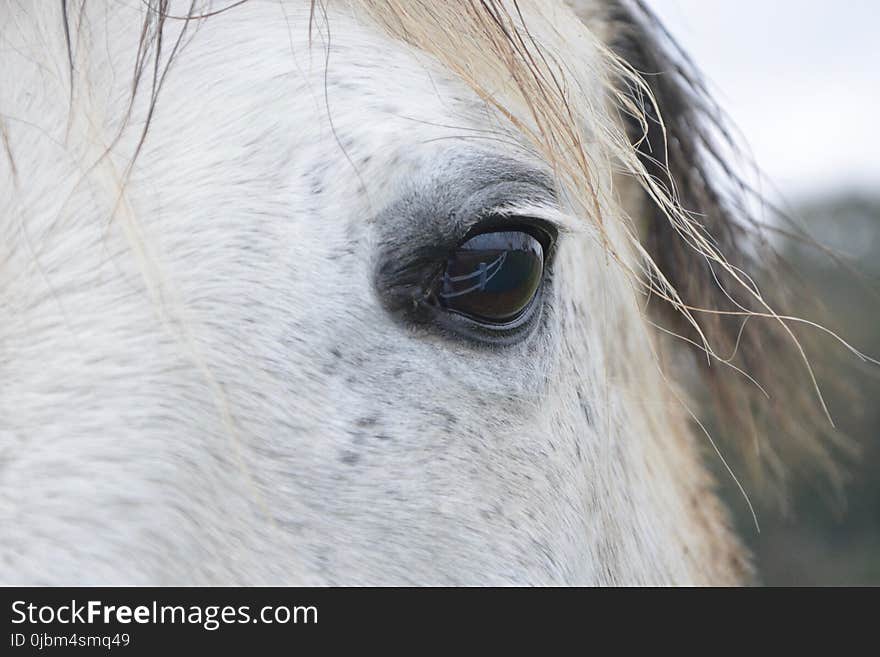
(493, 277)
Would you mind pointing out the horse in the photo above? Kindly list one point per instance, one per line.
(372, 292)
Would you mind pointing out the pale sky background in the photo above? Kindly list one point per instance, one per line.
(800, 78)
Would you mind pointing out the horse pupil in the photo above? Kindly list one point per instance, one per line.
(492, 277)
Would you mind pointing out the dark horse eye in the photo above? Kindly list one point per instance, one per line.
(493, 277)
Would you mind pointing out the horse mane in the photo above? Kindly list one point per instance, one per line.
(751, 305)
(695, 247)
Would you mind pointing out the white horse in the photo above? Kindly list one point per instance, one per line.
(357, 292)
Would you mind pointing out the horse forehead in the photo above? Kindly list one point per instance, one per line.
(342, 71)
(333, 101)
(345, 63)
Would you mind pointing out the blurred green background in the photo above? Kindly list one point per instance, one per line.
(822, 538)
(800, 80)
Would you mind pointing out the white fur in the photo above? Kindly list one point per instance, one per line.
(199, 384)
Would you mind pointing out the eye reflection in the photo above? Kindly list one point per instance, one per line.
(493, 277)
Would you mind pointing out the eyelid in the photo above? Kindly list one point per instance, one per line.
(548, 214)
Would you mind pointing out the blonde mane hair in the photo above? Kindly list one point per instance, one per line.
(693, 247)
